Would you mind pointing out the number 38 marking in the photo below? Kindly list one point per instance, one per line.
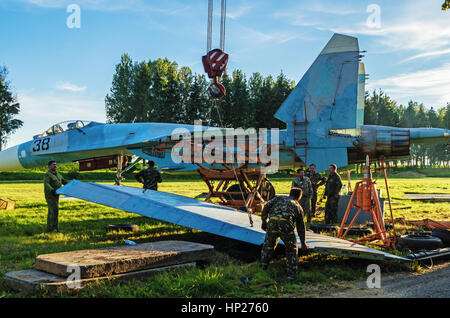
(41, 144)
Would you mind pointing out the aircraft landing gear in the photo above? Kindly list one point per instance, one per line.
(122, 162)
(119, 177)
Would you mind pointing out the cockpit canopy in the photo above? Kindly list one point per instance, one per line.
(64, 126)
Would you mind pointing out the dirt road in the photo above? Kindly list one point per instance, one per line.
(433, 283)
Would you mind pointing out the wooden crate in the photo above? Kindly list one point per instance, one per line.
(7, 204)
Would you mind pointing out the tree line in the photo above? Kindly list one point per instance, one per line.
(9, 108)
(161, 91)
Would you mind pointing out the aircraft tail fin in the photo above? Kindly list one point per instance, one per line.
(329, 89)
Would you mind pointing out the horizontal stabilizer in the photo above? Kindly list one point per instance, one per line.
(204, 216)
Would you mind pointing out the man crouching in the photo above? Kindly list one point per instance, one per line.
(279, 218)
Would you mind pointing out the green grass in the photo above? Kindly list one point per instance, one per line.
(82, 226)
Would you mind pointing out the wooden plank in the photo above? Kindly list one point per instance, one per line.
(7, 204)
(427, 196)
(32, 279)
(123, 259)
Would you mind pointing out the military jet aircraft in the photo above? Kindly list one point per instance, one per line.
(324, 116)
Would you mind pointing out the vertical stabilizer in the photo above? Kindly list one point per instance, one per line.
(330, 96)
(329, 88)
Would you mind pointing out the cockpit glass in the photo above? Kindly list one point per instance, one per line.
(65, 126)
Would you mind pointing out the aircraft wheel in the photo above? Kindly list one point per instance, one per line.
(420, 242)
(319, 228)
(444, 235)
(267, 190)
(235, 188)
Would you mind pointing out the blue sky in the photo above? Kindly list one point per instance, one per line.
(61, 73)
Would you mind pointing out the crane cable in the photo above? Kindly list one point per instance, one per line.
(222, 24)
(234, 171)
(209, 29)
(222, 47)
(210, 25)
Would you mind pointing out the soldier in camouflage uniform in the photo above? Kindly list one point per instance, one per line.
(279, 218)
(304, 183)
(52, 182)
(316, 180)
(332, 190)
(150, 177)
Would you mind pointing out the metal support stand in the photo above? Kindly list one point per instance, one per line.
(367, 200)
(119, 177)
(250, 181)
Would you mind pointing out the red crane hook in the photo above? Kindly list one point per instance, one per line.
(215, 61)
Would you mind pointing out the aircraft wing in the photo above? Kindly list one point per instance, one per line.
(207, 217)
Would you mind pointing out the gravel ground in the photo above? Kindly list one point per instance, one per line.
(433, 283)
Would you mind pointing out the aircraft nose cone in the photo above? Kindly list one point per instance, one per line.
(9, 160)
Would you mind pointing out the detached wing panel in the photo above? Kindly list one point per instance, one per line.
(204, 216)
(171, 208)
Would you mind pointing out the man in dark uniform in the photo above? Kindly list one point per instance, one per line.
(305, 185)
(332, 189)
(150, 177)
(52, 182)
(316, 180)
(279, 219)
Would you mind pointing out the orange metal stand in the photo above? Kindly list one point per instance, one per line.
(249, 192)
(367, 200)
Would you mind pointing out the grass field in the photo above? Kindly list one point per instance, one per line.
(82, 226)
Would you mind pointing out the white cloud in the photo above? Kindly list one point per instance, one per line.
(410, 34)
(239, 12)
(427, 55)
(414, 27)
(331, 8)
(56, 108)
(253, 36)
(314, 14)
(66, 86)
(431, 86)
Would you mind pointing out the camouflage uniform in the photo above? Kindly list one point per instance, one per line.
(332, 189)
(150, 177)
(283, 214)
(52, 182)
(316, 180)
(307, 189)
